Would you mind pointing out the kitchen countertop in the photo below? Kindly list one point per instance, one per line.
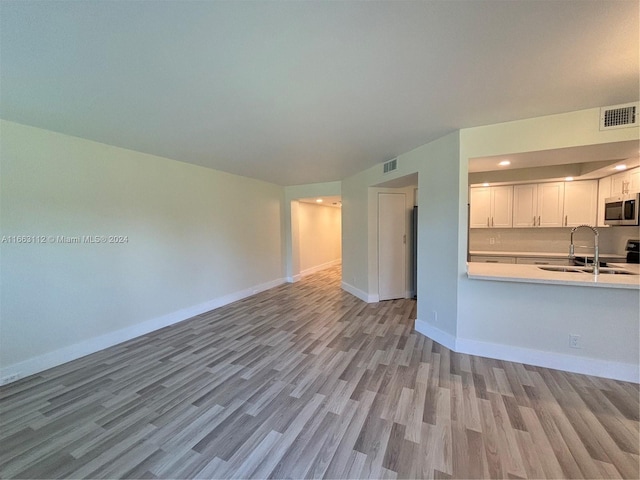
(508, 272)
(498, 253)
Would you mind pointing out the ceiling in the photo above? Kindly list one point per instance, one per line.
(327, 201)
(305, 92)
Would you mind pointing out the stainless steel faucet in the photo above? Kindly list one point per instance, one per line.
(596, 253)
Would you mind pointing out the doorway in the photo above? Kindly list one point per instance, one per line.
(316, 234)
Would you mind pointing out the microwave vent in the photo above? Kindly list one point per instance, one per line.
(619, 116)
(390, 166)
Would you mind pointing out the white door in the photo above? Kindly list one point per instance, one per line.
(392, 258)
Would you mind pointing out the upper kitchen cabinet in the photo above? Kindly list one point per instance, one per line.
(525, 205)
(634, 180)
(580, 203)
(490, 207)
(626, 182)
(538, 205)
(604, 192)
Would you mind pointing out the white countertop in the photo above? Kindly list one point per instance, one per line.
(500, 253)
(632, 267)
(508, 272)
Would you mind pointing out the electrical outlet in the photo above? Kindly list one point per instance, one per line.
(9, 378)
(492, 241)
(574, 341)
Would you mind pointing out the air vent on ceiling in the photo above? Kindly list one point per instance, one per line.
(619, 116)
(390, 166)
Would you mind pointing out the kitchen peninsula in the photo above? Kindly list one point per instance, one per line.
(504, 272)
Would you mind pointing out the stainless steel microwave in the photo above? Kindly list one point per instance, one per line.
(622, 210)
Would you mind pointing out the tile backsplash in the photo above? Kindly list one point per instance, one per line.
(612, 240)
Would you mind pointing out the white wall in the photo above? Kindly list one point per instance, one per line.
(320, 236)
(196, 239)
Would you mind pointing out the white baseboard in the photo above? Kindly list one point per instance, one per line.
(558, 361)
(588, 366)
(11, 373)
(440, 336)
(362, 295)
(317, 268)
(309, 271)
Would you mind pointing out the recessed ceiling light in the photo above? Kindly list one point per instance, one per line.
(620, 167)
(318, 200)
(485, 184)
(504, 163)
(568, 179)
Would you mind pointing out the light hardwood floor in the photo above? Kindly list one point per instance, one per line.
(306, 381)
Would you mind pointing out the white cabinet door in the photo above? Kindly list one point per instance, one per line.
(580, 203)
(634, 180)
(502, 207)
(550, 204)
(525, 205)
(491, 207)
(480, 207)
(619, 183)
(604, 191)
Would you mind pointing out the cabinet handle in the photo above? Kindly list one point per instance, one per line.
(488, 222)
(492, 221)
(541, 263)
(566, 221)
(538, 220)
(534, 220)
(491, 261)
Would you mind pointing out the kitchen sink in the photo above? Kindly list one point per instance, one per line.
(589, 270)
(565, 269)
(612, 271)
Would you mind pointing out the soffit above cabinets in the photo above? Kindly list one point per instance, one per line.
(582, 163)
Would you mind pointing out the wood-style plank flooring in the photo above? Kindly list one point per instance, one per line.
(306, 381)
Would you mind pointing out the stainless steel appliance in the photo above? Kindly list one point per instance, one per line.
(622, 210)
(633, 251)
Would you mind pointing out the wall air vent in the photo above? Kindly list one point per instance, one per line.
(619, 116)
(390, 166)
